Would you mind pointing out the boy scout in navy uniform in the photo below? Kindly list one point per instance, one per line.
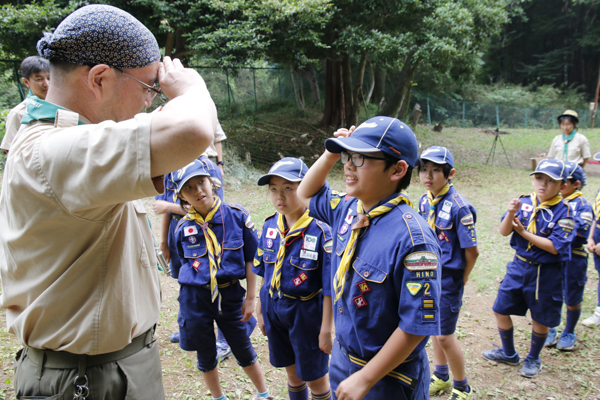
(385, 271)
(453, 219)
(543, 229)
(576, 269)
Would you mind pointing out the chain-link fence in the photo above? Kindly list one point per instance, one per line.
(467, 114)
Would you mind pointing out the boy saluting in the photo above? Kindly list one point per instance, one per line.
(385, 275)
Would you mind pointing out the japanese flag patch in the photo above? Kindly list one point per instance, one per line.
(271, 233)
(527, 207)
(190, 230)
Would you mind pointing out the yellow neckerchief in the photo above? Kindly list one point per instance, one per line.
(294, 231)
(339, 281)
(597, 205)
(543, 206)
(433, 202)
(213, 247)
(573, 196)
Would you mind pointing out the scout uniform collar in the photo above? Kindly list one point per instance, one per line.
(38, 109)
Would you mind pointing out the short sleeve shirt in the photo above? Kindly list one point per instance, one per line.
(75, 236)
(306, 267)
(211, 151)
(12, 125)
(234, 228)
(578, 149)
(583, 215)
(394, 277)
(555, 223)
(455, 221)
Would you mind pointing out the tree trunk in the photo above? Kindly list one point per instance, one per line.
(310, 74)
(403, 114)
(357, 92)
(347, 88)
(371, 84)
(379, 86)
(332, 115)
(404, 82)
(297, 93)
(169, 44)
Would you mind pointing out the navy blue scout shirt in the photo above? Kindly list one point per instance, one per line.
(169, 194)
(306, 268)
(236, 233)
(596, 207)
(583, 215)
(455, 221)
(555, 224)
(393, 281)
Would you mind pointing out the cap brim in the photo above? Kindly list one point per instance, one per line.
(337, 145)
(264, 180)
(187, 178)
(596, 157)
(556, 178)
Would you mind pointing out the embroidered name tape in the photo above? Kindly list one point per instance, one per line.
(421, 261)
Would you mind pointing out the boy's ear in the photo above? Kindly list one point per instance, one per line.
(451, 174)
(399, 170)
(578, 183)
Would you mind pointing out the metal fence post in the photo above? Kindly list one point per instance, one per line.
(585, 119)
(428, 113)
(254, 80)
(526, 112)
(279, 84)
(463, 117)
(228, 93)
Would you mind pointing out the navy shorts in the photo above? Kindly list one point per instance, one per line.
(520, 286)
(597, 262)
(451, 299)
(575, 279)
(293, 328)
(410, 380)
(197, 314)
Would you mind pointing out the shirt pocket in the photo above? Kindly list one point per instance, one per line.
(304, 263)
(443, 225)
(146, 235)
(367, 292)
(195, 250)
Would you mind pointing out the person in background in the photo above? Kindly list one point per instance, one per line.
(35, 74)
(570, 145)
(215, 150)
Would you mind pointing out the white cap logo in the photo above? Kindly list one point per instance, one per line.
(280, 163)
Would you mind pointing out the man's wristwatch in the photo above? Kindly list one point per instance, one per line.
(220, 163)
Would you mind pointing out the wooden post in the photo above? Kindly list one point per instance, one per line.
(596, 102)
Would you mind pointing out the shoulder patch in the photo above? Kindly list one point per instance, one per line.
(566, 224)
(328, 246)
(587, 216)
(458, 199)
(334, 202)
(467, 219)
(421, 261)
(414, 287)
(249, 222)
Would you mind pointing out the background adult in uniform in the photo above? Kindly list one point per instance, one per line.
(79, 278)
(570, 146)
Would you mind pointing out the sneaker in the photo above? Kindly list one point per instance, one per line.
(438, 385)
(223, 352)
(567, 341)
(594, 320)
(499, 356)
(552, 338)
(174, 337)
(269, 397)
(531, 367)
(458, 394)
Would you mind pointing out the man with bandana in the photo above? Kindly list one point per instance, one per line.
(80, 285)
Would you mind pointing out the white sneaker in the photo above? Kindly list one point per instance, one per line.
(594, 320)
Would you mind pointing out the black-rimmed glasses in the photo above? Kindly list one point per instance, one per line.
(357, 159)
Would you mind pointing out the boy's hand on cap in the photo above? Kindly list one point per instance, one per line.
(343, 132)
(175, 79)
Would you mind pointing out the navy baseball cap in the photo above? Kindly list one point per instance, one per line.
(289, 168)
(181, 176)
(554, 168)
(438, 155)
(388, 135)
(574, 171)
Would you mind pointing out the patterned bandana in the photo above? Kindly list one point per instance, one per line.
(532, 227)
(339, 280)
(294, 231)
(213, 248)
(101, 34)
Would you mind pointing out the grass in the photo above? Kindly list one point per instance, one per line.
(489, 188)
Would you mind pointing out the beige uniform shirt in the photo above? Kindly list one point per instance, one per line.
(579, 148)
(13, 123)
(211, 151)
(76, 254)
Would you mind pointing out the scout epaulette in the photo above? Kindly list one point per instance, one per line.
(238, 207)
(414, 228)
(459, 200)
